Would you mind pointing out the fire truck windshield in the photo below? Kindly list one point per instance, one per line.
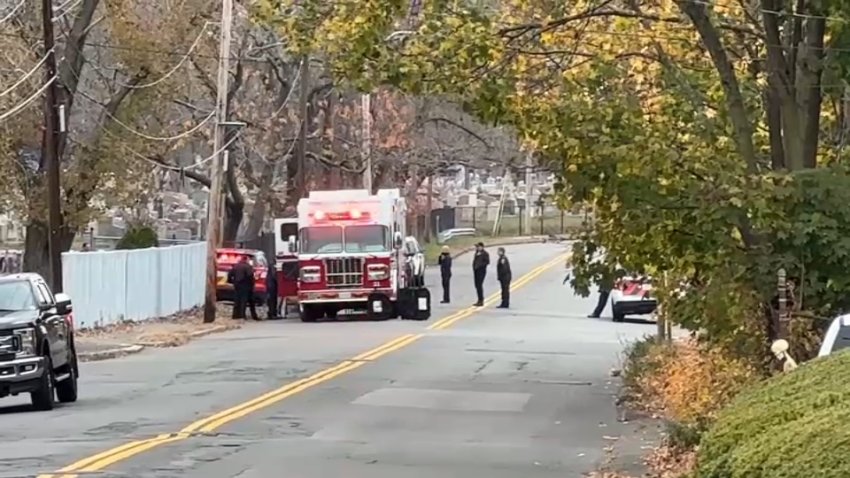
(321, 240)
(371, 238)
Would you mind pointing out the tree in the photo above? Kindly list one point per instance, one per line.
(96, 101)
(686, 126)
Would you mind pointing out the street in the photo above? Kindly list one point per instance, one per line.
(481, 393)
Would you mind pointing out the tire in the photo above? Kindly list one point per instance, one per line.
(44, 398)
(618, 314)
(331, 312)
(66, 390)
(310, 313)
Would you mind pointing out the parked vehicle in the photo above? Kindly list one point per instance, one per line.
(227, 258)
(37, 353)
(837, 336)
(351, 254)
(632, 296)
(414, 262)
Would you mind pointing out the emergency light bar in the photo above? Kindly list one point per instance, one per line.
(353, 214)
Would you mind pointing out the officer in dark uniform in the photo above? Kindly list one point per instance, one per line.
(242, 278)
(271, 292)
(479, 271)
(503, 274)
(445, 262)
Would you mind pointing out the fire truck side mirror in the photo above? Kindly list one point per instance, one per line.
(293, 247)
(398, 240)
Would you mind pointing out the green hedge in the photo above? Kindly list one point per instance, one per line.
(794, 425)
(138, 238)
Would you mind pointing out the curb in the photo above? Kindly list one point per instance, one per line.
(125, 350)
(507, 242)
(211, 330)
(110, 353)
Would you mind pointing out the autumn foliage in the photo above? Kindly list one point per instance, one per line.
(687, 382)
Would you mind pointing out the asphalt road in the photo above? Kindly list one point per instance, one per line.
(487, 393)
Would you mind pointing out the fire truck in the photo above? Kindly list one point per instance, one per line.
(351, 256)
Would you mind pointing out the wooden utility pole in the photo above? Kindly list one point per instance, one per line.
(49, 150)
(366, 151)
(215, 204)
(301, 151)
(529, 179)
(429, 201)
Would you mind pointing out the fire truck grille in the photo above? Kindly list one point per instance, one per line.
(344, 273)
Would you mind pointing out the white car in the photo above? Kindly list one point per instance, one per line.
(837, 336)
(414, 262)
(632, 296)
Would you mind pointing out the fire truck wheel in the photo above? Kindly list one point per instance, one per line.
(386, 310)
(331, 312)
(311, 313)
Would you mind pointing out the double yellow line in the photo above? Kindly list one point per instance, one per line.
(211, 423)
(448, 321)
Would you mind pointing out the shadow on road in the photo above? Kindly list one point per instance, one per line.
(16, 409)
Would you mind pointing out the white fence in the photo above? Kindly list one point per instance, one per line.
(110, 286)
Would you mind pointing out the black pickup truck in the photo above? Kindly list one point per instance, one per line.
(37, 354)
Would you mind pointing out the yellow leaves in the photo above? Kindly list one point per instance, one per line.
(691, 382)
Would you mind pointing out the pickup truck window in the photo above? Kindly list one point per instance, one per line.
(45, 297)
(16, 295)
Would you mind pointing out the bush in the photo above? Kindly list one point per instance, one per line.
(690, 382)
(138, 238)
(793, 425)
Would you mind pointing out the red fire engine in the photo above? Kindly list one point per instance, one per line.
(350, 255)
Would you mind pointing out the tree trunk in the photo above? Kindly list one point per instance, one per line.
(773, 113)
(809, 90)
(36, 252)
(232, 220)
(710, 36)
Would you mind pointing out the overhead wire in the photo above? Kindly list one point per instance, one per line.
(138, 133)
(168, 166)
(13, 12)
(20, 106)
(64, 10)
(26, 76)
(177, 66)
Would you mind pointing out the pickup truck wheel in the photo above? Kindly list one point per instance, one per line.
(43, 399)
(66, 390)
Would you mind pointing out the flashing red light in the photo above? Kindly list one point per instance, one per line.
(354, 214)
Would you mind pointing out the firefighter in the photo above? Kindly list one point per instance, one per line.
(242, 278)
(479, 270)
(271, 292)
(445, 261)
(503, 274)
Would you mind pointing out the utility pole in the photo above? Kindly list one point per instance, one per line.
(49, 150)
(529, 178)
(366, 110)
(303, 108)
(215, 204)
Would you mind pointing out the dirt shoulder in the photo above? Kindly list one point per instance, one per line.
(127, 338)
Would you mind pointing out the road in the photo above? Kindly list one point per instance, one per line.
(468, 393)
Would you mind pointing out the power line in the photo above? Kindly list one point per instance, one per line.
(177, 66)
(27, 75)
(20, 106)
(13, 12)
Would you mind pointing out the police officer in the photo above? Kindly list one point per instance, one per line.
(503, 274)
(479, 271)
(445, 261)
(242, 278)
(271, 291)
